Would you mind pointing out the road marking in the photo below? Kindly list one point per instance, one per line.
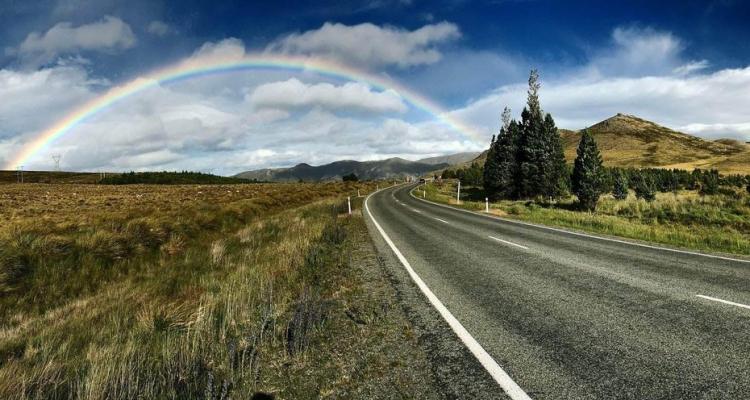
(501, 377)
(581, 234)
(723, 301)
(416, 211)
(510, 243)
(441, 220)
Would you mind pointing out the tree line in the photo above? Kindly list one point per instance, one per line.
(526, 161)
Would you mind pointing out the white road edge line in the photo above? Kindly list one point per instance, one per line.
(723, 301)
(507, 242)
(581, 234)
(442, 220)
(510, 387)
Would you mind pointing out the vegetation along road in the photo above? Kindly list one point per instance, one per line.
(572, 316)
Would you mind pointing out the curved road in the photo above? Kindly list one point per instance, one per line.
(571, 316)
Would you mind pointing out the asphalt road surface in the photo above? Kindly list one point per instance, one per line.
(569, 316)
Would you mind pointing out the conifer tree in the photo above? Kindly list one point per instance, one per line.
(500, 163)
(588, 172)
(541, 162)
(644, 186)
(555, 171)
(532, 145)
(620, 189)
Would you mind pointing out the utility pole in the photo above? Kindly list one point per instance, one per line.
(458, 193)
(56, 159)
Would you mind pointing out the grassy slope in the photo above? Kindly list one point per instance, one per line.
(191, 292)
(628, 141)
(719, 223)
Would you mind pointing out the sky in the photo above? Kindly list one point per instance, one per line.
(682, 64)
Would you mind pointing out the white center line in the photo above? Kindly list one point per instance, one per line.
(510, 243)
(441, 220)
(416, 211)
(723, 301)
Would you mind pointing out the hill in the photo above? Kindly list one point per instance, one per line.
(451, 159)
(389, 168)
(629, 141)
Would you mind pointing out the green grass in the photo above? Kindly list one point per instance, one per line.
(716, 223)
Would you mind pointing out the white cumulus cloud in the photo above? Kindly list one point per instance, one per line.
(370, 45)
(108, 34)
(355, 96)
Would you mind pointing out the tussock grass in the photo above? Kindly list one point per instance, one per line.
(719, 223)
(164, 292)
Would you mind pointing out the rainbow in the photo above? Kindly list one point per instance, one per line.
(211, 66)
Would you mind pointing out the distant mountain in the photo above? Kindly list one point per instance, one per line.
(628, 141)
(390, 168)
(451, 159)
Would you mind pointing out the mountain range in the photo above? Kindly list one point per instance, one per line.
(381, 169)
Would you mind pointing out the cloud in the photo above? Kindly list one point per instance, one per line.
(355, 96)
(637, 51)
(369, 45)
(110, 34)
(159, 28)
(712, 105)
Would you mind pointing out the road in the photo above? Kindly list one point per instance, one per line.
(569, 316)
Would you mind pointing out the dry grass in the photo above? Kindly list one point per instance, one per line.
(165, 292)
(719, 223)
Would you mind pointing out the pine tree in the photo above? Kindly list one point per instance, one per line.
(507, 165)
(644, 186)
(620, 189)
(532, 146)
(541, 162)
(588, 172)
(710, 182)
(556, 177)
(489, 171)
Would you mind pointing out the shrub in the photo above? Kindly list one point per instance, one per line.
(350, 177)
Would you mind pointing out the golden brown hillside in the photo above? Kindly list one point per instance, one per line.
(629, 141)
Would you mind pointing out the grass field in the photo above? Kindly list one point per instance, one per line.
(209, 292)
(716, 223)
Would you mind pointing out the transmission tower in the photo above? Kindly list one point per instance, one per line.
(56, 159)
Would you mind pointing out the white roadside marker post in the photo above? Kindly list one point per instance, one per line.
(487, 205)
(424, 193)
(349, 204)
(358, 193)
(377, 187)
(458, 193)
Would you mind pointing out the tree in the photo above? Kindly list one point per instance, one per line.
(710, 182)
(644, 186)
(556, 176)
(493, 178)
(620, 186)
(352, 177)
(540, 159)
(588, 172)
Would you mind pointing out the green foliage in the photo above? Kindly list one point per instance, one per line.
(588, 173)
(526, 160)
(710, 182)
(350, 177)
(170, 178)
(620, 185)
(643, 184)
(500, 168)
